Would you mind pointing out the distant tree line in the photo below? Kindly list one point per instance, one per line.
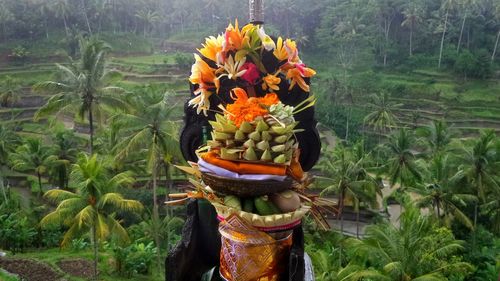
(386, 31)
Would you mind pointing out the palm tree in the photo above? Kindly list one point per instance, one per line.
(66, 152)
(382, 118)
(447, 6)
(150, 129)
(347, 177)
(418, 251)
(35, 157)
(401, 165)
(148, 18)
(83, 87)
(441, 190)
(61, 10)
(497, 18)
(8, 142)
(467, 7)
(413, 16)
(92, 208)
(480, 165)
(437, 136)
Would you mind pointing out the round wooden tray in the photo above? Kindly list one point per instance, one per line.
(244, 187)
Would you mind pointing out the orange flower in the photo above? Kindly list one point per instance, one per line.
(247, 109)
(297, 75)
(271, 82)
(201, 72)
(234, 39)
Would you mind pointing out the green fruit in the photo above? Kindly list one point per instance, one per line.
(220, 136)
(263, 145)
(278, 148)
(228, 155)
(229, 128)
(262, 126)
(266, 136)
(264, 206)
(214, 144)
(249, 143)
(246, 127)
(289, 154)
(281, 159)
(279, 130)
(233, 202)
(254, 136)
(266, 156)
(248, 205)
(216, 126)
(281, 139)
(239, 135)
(250, 155)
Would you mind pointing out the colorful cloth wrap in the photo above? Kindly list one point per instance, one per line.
(206, 167)
(248, 254)
(246, 168)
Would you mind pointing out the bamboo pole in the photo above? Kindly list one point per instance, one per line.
(256, 8)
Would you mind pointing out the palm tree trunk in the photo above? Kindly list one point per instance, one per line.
(461, 33)
(442, 39)
(156, 215)
(40, 191)
(86, 16)
(411, 41)
(495, 48)
(341, 214)
(168, 184)
(357, 223)
(96, 257)
(475, 223)
(91, 126)
(438, 210)
(65, 26)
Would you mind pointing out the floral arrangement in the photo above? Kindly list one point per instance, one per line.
(244, 58)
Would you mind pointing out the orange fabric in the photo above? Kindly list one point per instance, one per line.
(243, 167)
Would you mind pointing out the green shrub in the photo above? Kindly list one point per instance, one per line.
(79, 244)
(136, 258)
(184, 61)
(16, 233)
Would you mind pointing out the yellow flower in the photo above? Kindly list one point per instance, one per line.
(212, 46)
(271, 82)
(286, 50)
(297, 75)
(234, 39)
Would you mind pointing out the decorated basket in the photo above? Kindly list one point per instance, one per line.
(245, 187)
(271, 223)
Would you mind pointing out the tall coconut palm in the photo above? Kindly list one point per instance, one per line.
(61, 10)
(401, 165)
(148, 18)
(497, 18)
(413, 16)
(66, 152)
(92, 207)
(34, 156)
(150, 129)
(418, 251)
(437, 136)
(347, 177)
(441, 190)
(83, 87)
(467, 8)
(480, 166)
(447, 6)
(382, 118)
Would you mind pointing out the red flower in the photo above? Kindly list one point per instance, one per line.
(252, 74)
